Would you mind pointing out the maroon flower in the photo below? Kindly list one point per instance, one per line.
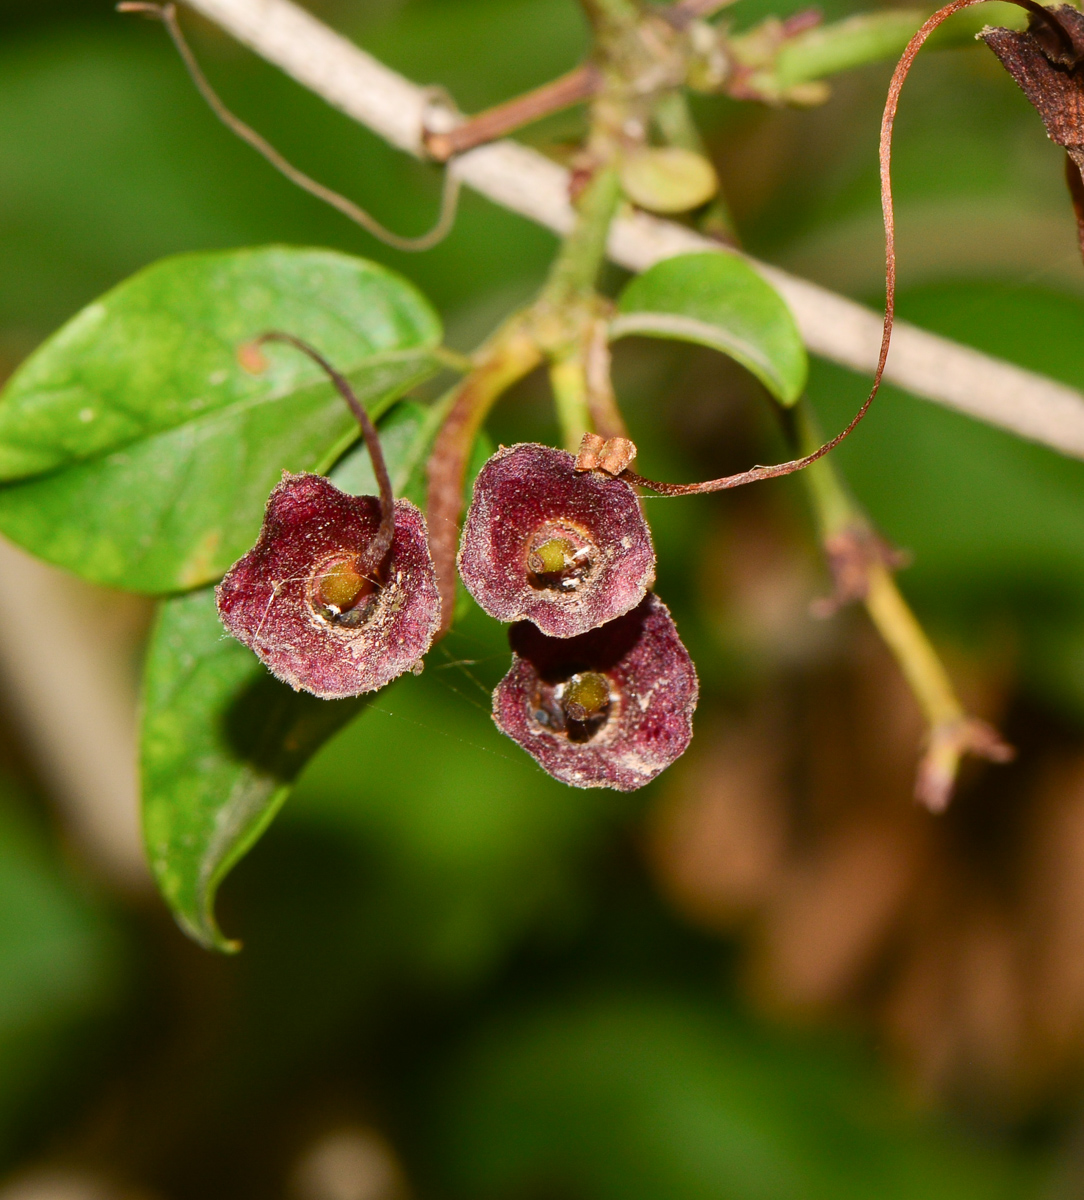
(298, 600)
(542, 542)
(610, 708)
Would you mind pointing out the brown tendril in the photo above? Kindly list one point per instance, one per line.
(370, 560)
(167, 14)
(885, 154)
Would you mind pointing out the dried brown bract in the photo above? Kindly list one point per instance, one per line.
(610, 708)
(298, 600)
(1046, 62)
(543, 542)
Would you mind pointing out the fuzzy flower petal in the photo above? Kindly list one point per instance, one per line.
(542, 542)
(610, 708)
(297, 601)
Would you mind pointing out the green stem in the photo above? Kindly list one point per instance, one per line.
(843, 45)
(860, 559)
(839, 515)
(568, 378)
(911, 648)
(583, 251)
(565, 313)
(833, 506)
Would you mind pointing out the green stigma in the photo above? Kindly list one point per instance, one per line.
(340, 585)
(552, 556)
(586, 696)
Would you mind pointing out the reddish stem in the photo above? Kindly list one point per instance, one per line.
(512, 354)
(369, 560)
(579, 84)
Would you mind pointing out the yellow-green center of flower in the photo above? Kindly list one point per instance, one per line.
(559, 557)
(339, 591)
(556, 554)
(586, 695)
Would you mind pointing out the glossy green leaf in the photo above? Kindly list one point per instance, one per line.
(718, 300)
(142, 452)
(223, 740)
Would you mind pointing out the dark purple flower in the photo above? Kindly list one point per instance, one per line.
(542, 542)
(610, 708)
(298, 600)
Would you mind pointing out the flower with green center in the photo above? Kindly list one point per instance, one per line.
(299, 600)
(609, 708)
(543, 542)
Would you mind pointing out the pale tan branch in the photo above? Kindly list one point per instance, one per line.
(525, 182)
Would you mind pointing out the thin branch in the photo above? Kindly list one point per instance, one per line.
(525, 182)
(579, 84)
(167, 14)
(862, 566)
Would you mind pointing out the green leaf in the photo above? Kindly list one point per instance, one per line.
(145, 452)
(222, 742)
(718, 300)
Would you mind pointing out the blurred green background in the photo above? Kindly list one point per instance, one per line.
(766, 977)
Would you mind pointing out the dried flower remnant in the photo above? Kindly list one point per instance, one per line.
(610, 708)
(542, 542)
(1045, 60)
(612, 455)
(299, 600)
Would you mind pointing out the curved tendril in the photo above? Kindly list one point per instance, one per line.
(757, 473)
(370, 560)
(167, 14)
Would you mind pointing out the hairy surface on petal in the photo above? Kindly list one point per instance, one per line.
(269, 598)
(528, 493)
(653, 686)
